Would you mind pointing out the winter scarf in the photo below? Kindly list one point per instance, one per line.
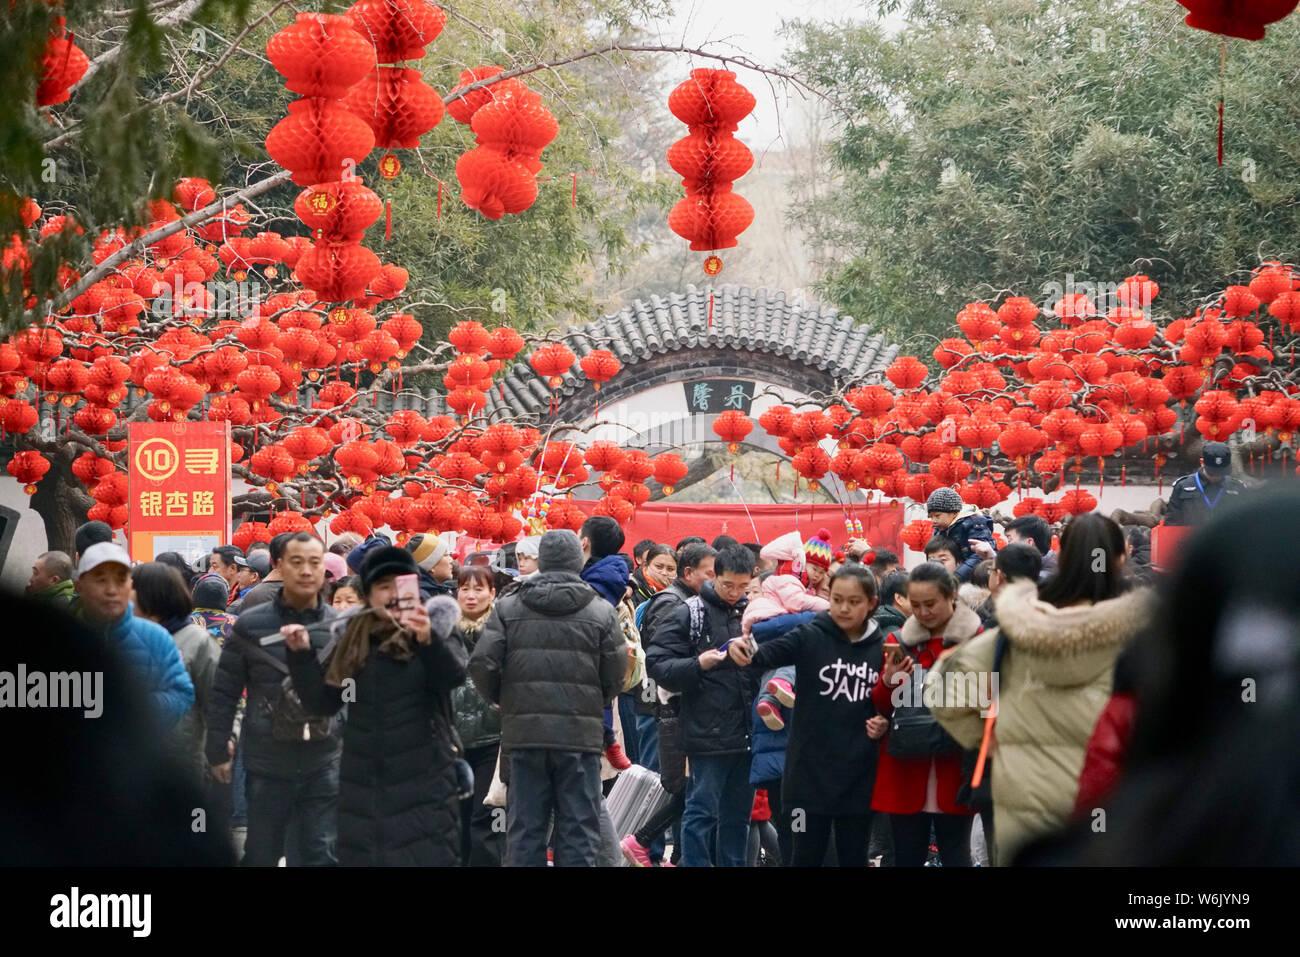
(363, 629)
(963, 624)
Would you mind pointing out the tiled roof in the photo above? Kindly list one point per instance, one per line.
(743, 319)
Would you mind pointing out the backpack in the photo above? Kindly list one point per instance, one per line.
(636, 654)
(913, 730)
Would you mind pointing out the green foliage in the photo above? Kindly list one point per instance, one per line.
(1001, 144)
(128, 147)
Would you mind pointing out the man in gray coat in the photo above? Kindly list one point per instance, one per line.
(551, 655)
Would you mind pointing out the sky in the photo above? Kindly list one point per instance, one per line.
(752, 28)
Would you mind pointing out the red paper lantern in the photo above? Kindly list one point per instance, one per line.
(28, 468)
(551, 361)
(319, 140)
(600, 365)
(397, 105)
(706, 160)
(494, 184)
(732, 426)
(519, 126)
(337, 272)
(1236, 18)
(712, 99)
(1077, 502)
(669, 470)
(504, 344)
(399, 29)
(320, 55)
(906, 372)
(338, 212)
(463, 108)
(469, 337)
(1270, 281)
(711, 220)
(62, 64)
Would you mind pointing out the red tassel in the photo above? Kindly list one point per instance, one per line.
(1220, 132)
(438, 215)
(710, 308)
(1123, 476)
(1223, 67)
(388, 219)
(574, 202)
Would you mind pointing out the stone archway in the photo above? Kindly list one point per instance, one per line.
(680, 372)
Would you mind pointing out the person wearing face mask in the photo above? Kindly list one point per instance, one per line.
(920, 770)
(479, 723)
(654, 574)
(831, 758)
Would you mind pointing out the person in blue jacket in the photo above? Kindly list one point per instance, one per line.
(607, 571)
(961, 524)
(104, 587)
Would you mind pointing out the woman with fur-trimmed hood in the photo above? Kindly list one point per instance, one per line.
(1055, 677)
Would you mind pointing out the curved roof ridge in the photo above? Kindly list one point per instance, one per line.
(745, 318)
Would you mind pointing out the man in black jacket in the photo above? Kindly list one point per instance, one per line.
(688, 655)
(286, 778)
(551, 655)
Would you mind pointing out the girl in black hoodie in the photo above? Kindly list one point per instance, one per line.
(830, 767)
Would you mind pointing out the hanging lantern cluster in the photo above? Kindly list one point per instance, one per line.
(709, 158)
(511, 127)
(322, 142)
(394, 101)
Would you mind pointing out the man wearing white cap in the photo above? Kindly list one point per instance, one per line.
(104, 587)
(433, 554)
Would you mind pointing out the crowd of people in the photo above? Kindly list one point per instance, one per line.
(796, 703)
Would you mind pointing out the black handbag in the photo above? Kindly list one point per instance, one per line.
(289, 719)
(914, 732)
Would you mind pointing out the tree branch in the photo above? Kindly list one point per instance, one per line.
(182, 12)
(184, 92)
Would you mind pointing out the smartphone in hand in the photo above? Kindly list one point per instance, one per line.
(408, 592)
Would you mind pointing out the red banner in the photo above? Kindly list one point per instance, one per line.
(668, 523)
(179, 488)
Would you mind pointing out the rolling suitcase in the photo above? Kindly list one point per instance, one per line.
(636, 796)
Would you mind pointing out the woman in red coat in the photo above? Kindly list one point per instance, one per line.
(920, 792)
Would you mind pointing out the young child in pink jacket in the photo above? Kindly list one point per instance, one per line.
(779, 595)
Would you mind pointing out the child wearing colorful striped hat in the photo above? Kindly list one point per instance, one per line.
(817, 563)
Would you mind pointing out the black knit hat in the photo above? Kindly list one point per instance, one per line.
(943, 500)
(386, 560)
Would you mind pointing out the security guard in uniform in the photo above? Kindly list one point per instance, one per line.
(1193, 498)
